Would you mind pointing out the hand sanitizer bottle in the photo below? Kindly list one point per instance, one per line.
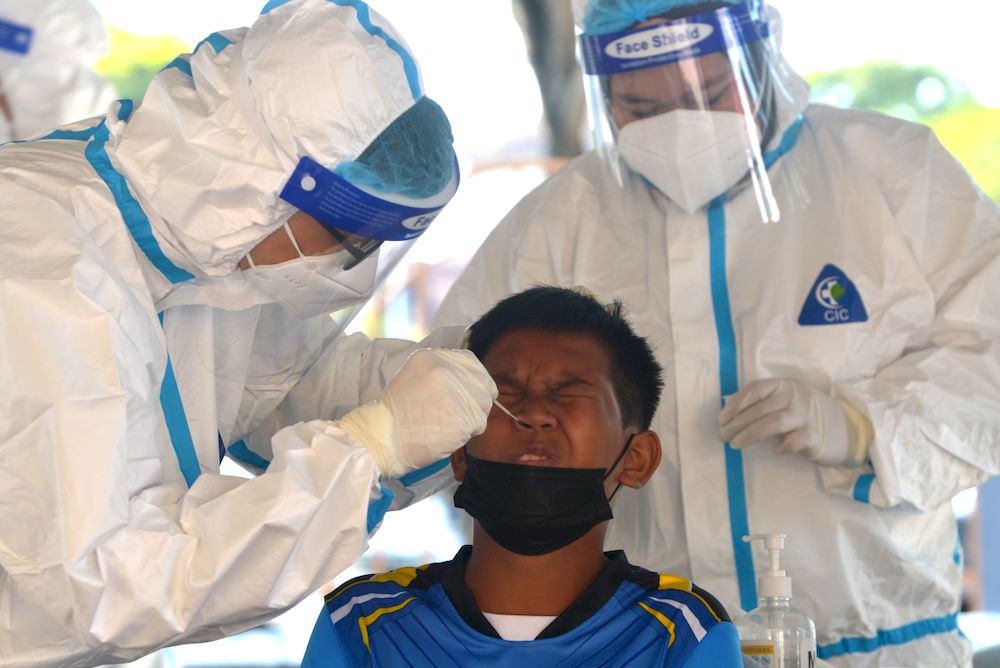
(774, 634)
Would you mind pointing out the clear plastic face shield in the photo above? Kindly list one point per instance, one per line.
(350, 239)
(305, 270)
(355, 221)
(687, 103)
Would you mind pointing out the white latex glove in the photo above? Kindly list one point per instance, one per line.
(806, 420)
(437, 401)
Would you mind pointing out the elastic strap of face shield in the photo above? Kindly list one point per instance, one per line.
(360, 248)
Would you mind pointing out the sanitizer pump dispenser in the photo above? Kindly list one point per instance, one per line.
(774, 634)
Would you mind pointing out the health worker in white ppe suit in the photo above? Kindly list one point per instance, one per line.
(48, 50)
(829, 274)
(166, 279)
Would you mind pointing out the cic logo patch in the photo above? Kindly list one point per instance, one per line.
(833, 300)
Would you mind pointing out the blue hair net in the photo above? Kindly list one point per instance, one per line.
(604, 16)
(412, 157)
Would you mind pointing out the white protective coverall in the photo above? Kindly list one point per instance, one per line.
(105, 553)
(49, 79)
(873, 551)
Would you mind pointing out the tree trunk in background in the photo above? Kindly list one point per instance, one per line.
(548, 31)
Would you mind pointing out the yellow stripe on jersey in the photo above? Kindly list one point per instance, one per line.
(401, 576)
(660, 617)
(368, 620)
(675, 582)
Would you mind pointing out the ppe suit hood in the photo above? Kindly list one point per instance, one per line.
(220, 131)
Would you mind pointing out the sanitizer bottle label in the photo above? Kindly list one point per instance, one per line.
(807, 653)
(762, 654)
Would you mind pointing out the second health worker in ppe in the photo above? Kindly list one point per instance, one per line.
(166, 275)
(829, 274)
(48, 52)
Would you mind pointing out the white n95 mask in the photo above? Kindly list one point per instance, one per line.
(312, 285)
(692, 156)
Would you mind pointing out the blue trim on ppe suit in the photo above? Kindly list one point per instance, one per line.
(729, 377)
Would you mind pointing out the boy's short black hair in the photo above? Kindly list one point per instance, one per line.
(635, 373)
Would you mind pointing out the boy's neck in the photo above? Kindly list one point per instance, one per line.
(507, 583)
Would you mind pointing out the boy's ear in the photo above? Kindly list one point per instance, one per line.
(458, 463)
(641, 460)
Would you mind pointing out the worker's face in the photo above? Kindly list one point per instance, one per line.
(705, 83)
(313, 239)
(560, 384)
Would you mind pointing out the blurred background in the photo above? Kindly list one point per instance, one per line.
(505, 71)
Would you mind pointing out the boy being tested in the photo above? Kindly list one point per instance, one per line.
(578, 389)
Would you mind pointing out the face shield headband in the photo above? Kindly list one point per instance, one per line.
(360, 218)
(657, 43)
(695, 92)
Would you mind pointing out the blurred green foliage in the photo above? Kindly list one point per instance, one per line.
(972, 133)
(133, 59)
(925, 95)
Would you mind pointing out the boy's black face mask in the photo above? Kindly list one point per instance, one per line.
(533, 510)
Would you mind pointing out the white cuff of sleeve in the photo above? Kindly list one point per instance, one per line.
(372, 426)
(860, 432)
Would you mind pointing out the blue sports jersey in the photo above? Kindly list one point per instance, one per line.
(426, 616)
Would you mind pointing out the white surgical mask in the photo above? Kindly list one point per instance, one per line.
(309, 285)
(692, 156)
